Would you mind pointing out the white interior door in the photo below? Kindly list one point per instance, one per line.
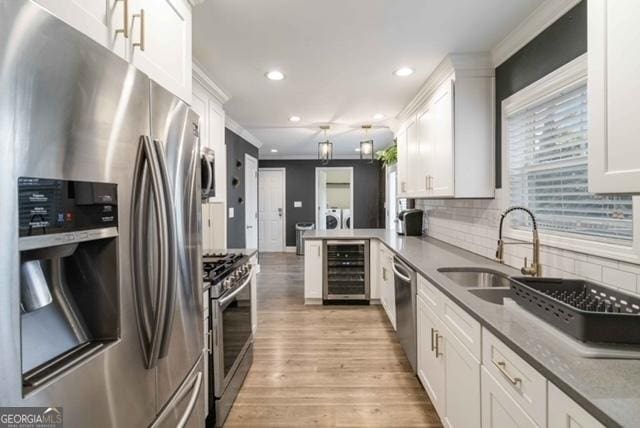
(321, 198)
(271, 214)
(251, 201)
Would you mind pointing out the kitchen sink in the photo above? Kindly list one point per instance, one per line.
(492, 295)
(470, 277)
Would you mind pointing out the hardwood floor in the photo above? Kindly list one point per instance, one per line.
(329, 366)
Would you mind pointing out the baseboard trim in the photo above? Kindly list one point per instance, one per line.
(290, 249)
(375, 302)
(313, 301)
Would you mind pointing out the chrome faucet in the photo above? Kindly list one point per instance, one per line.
(535, 269)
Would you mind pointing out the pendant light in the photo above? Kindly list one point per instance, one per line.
(325, 148)
(366, 146)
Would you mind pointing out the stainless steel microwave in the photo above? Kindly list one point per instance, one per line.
(208, 173)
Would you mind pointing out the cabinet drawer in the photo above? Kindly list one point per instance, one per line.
(566, 413)
(463, 325)
(499, 410)
(524, 384)
(431, 295)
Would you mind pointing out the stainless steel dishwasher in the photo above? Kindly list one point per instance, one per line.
(406, 288)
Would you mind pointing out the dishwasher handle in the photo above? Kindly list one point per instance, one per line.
(402, 276)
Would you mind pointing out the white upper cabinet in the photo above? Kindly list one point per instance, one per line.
(451, 151)
(207, 102)
(102, 20)
(153, 35)
(403, 176)
(613, 94)
(160, 43)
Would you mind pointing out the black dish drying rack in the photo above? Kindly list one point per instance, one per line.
(582, 309)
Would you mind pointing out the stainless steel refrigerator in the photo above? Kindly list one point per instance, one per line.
(100, 248)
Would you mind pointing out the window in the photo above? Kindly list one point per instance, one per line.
(546, 144)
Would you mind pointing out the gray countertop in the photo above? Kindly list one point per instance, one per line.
(608, 388)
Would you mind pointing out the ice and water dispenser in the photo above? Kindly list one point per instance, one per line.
(69, 292)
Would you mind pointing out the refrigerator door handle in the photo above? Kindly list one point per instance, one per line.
(170, 249)
(195, 386)
(147, 181)
(192, 402)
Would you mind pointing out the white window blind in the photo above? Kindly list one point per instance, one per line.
(547, 152)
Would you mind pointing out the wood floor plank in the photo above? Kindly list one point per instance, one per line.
(324, 366)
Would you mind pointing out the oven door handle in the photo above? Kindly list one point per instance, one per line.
(223, 302)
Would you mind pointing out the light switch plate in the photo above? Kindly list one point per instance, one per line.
(232, 212)
(297, 204)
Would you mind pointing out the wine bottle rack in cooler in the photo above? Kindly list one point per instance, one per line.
(346, 270)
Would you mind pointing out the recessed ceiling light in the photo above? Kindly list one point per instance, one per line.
(274, 75)
(378, 116)
(403, 72)
(294, 119)
(274, 150)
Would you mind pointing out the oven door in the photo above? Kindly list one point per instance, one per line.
(232, 333)
(207, 174)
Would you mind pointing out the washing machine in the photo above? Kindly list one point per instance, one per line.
(333, 218)
(346, 219)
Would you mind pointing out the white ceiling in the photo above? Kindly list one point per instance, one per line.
(338, 57)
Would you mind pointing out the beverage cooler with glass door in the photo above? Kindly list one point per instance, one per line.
(346, 272)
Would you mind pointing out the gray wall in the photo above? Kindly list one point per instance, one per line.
(236, 149)
(368, 194)
(561, 42)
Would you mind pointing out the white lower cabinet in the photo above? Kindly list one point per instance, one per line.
(374, 269)
(313, 269)
(431, 365)
(386, 284)
(448, 371)
(462, 384)
(566, 413)
(499, 409)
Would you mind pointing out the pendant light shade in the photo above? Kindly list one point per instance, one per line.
(366, 146)
(325, 148)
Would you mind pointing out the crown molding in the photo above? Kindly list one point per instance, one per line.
(202, 77)
(239, 130)
(462, 65)
(195, 2)
(541, 18)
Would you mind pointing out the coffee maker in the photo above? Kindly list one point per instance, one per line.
(410, 222)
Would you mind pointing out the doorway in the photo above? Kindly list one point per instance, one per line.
(334, 198)
(271, 209)
(251, 201)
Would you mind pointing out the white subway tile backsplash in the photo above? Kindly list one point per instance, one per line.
(473, 225)
(619, 279)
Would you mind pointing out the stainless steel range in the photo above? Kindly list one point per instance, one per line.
(230, 337)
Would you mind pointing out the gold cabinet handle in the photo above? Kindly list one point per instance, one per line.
(141, 43)
(438, 337)
(384, 274)
(502, 368)
(433, 346)
(125, 19)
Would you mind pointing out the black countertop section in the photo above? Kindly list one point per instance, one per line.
(609, 389)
